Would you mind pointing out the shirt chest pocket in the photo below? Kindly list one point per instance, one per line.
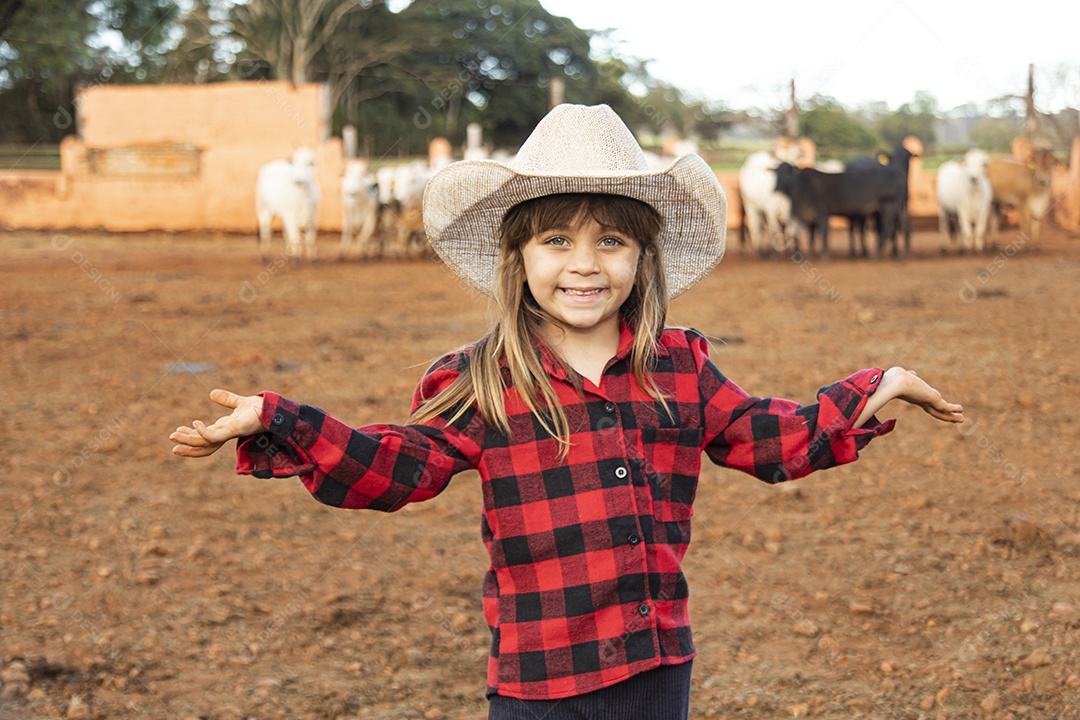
(672, 465)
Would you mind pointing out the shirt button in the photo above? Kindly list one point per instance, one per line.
(620, 472)
(873, 380)
(633, 539)
(279, 419)
(609, 407)
(643, 609)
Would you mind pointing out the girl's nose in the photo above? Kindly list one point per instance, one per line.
(584, 259)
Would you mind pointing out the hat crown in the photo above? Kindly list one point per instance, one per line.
(576, 149)
(581, 140)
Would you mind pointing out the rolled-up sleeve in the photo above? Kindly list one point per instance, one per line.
(775, 439)
(380, 467)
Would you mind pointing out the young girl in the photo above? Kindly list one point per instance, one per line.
(584, 415)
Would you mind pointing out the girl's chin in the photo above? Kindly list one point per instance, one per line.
(580, 323)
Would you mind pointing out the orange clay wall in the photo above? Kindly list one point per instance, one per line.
(175, 157)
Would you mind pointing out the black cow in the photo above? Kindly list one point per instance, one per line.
(862, 190)
(901, 161)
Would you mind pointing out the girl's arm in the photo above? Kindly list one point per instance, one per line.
(775, 439)
(377, 466)
(900, 384)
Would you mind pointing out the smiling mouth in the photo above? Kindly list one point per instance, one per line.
(587, 292)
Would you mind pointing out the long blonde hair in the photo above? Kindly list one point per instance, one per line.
(510, 345)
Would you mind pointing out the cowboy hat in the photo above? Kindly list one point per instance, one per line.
(576, 149)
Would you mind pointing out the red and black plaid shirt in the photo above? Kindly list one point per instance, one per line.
(585, 586)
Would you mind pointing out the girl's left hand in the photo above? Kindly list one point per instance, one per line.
(907, 386)
(201, 440)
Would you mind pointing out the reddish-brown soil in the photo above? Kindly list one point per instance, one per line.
(937, 577)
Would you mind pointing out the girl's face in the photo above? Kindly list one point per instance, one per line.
(581, 275)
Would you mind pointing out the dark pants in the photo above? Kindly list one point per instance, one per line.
(660, 694)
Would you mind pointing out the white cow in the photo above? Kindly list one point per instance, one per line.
(965, 196)
(406, 193)
(762, 203)
(359, 208)
(289, 190)
(409, 183)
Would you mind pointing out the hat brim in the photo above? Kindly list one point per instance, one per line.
(464, 205)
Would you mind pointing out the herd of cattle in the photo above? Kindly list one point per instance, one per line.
(375, 207)
(779, 199)
(381, 211)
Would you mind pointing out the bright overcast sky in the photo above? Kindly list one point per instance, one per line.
(745, 53)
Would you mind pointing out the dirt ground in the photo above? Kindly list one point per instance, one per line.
(936, 577)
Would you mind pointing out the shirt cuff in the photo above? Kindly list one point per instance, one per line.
(864, 384)
(274, 453)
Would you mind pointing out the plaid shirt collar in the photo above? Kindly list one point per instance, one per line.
(554, 367)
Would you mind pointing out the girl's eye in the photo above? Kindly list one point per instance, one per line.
(557, 240)
(611, 241)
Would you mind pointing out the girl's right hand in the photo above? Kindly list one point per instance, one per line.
(911, 388)
(201, 440)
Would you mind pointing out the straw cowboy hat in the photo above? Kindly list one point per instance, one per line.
(576, 149)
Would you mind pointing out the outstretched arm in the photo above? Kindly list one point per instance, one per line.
(377, 466)
(201, 440)
(900, 384)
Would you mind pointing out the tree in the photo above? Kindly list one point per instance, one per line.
(289, 34)
(492, 62)
(329, 41)
(8, 8)
(208, 49)
(368, 42)
(53, 46)
(915, 118)
(402, 77)
(141, 30)
(831, 127)
(430, 68)
(42, 55)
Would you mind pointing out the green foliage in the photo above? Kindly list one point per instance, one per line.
(43, 54)
(915, 118)
(402, 78)
(832, 128)
(436, 66)
(493, 63)
(843, 134)
(208, 49)
(53, 46)
(144, 24)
